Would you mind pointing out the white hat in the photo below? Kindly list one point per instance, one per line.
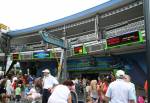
(120, 73)
(46, 70)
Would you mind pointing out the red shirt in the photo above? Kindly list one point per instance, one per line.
(146, 86)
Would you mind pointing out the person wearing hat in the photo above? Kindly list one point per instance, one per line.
(119, 91)
(48, 82)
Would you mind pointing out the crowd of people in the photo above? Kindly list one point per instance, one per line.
(113, 89)
(13, 88)
(22, 88)
(107, 89)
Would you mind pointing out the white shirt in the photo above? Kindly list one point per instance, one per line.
(59, 95)
(33, 94)
(133, 90)
(119, 91)
(49, 81)
(8, 87)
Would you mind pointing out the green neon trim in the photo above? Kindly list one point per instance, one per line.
(140, 37)
(106, 46)
(84, 50)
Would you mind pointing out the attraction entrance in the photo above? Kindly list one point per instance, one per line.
(34, 62)
(35, 67)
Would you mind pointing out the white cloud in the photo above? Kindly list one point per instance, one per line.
(18, 14)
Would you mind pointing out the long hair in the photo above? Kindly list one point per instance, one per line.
(93, 85)
(38, 82)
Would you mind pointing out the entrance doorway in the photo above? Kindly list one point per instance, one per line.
(90, 76)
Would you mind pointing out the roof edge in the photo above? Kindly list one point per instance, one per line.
(72, 18)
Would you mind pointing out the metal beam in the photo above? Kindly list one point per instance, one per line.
(147, 31)
(52, 40)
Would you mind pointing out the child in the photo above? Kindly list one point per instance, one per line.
(18, 92)
(33, 94)
(26, 91)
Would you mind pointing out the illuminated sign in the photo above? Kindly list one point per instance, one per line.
(124, 39)
(15, 56)
(78, 50)
(41, 55)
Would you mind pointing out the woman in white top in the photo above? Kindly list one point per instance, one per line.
(61, 93)
(93, 92)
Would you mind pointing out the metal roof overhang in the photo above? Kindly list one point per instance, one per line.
(84, 28)
(112, 4)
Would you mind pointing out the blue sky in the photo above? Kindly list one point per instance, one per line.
(19, 14)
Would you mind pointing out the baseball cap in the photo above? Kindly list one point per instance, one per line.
(46, 70)
(120, 73)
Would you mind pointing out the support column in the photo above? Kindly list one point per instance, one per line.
(146, 8)
(64, 69)
(97, 26)
(101, 35)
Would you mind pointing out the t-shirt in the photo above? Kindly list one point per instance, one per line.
(105, 87)
(49, 82)
(146, 86)
(18, 91)
(120, 91)
(26, 91)
(8, 87)
(59, 95)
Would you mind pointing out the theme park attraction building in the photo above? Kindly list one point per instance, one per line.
(98, 40)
